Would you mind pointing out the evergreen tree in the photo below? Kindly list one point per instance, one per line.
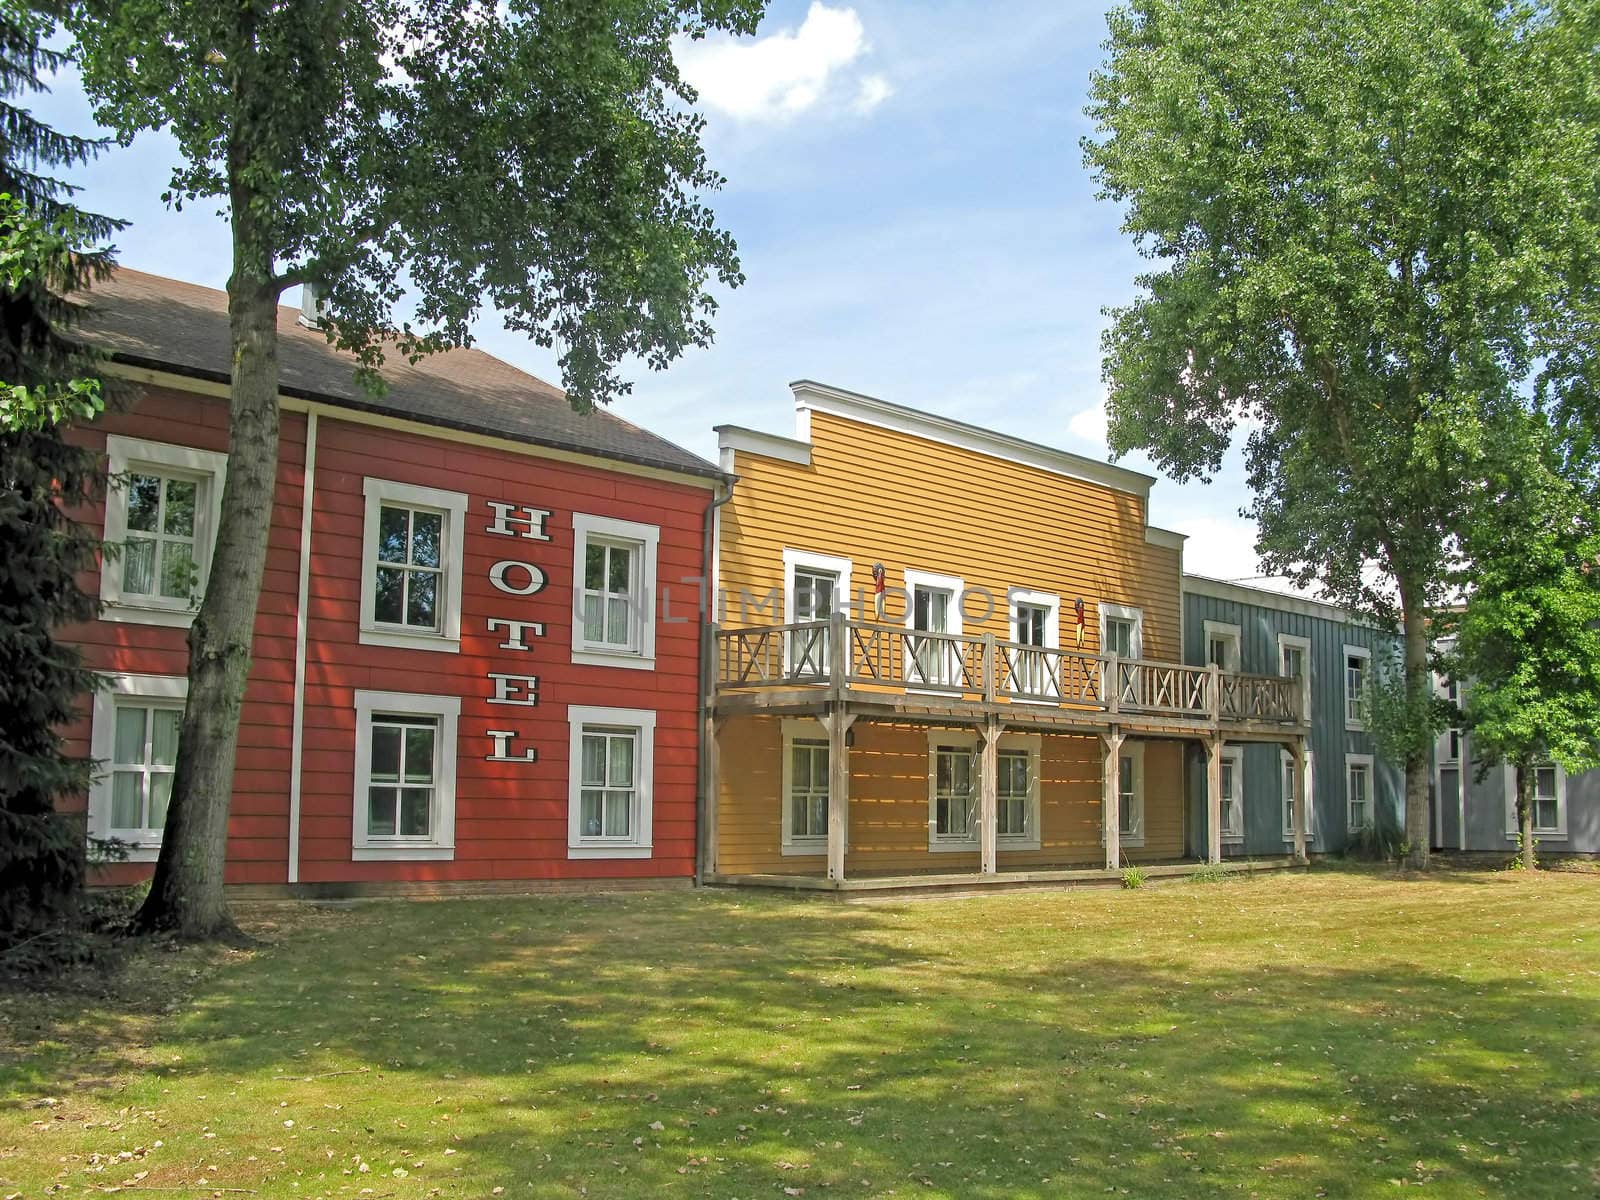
(45, 381)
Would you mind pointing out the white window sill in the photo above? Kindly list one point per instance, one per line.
(141, 853)
(603, 851)
(403, 854)
(410, 641)
(950, 846)
(142, 614)
(1127, 840)
(804, 849)
(1232, 838)
(1543, 835)
(1003, 844)
(629, 659)
(1355, 726)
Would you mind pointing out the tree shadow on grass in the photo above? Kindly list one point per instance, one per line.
(618, 1046)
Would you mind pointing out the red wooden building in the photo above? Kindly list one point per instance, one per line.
(476, 654)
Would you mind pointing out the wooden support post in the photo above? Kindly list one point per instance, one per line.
(1111, 798)
(989, 795)
(1297, 752)
(712, 746)
(1213, 799)
(838, 724)
(838, 654)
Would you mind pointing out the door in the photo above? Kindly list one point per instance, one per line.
(933, 660)
(815, 598)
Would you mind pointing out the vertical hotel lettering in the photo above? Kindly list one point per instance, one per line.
(514, 577)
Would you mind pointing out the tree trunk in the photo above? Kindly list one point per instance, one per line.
(186, 896)
(1527, 852)
(1418, 681)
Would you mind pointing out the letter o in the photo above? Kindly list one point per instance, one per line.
(497, 576)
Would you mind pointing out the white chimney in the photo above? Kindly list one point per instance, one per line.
(313, 306)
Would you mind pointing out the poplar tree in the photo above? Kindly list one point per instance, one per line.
(539, 156)
(1371, 224)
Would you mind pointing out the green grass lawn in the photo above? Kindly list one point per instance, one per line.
(1339, 1034)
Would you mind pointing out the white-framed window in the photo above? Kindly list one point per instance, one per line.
(134, 740)
(933, 607)
(1359, 802)
(1035, 628)
(805, 787)
(1017, 792)
(1286, 774)
(1450, 742)
(411, 561)
(1121, 630)
(1549, 801)
(815, 586)
(1294, 662)
(611, 781)
(1223, 643)
(955, 788)
(405, 780)
(1232, 793)
(614, 590)
(1357, 678)
(1130, 794)
(163, 503)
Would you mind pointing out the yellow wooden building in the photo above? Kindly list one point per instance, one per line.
(941, 652)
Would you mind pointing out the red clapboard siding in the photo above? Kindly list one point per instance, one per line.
(511, 818)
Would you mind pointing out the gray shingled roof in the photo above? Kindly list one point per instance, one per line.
(165, 324)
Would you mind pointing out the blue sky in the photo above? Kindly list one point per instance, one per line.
(914, 220)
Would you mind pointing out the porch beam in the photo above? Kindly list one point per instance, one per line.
(1111, 798)
(989, 795)
(1213, 799)
(838, 724)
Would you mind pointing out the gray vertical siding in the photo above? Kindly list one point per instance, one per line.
(1486, 813)
(1259, 627)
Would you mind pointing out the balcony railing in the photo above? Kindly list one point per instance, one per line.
(892, 658)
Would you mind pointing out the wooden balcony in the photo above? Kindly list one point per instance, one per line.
(895, 672)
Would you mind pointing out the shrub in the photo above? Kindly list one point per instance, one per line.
(1133, 877)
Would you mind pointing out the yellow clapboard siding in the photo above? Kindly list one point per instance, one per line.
(873, 494)
(890, 812)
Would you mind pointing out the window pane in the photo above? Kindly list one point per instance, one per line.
(178, 519)
(389, 596)
(160, 795)
(800, 768)
(393, 527)
(1544, 782)
(621, 766)
(144, 502)
(427, 538)
(621, 569)
(178, 574)
(594, 760)
(385, 753)
(590, 805)
(594, 627)
(127, 799)
(619, 814)
(138, 566)
(617, 621)
(381, 811)
(129, 743)
(414, 804)
(819, 816)
(1544, 813)
(420, 600)
(419, 754)
(594, 567)
(164, 736)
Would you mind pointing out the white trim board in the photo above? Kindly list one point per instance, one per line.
(1221, 589)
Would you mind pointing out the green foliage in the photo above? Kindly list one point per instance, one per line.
(1370, 219)
(44, 380)
(1211, 873)
(1134, 877)
(542, 157)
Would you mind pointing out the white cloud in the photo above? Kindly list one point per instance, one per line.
(1090, 424)
(775, 77)
(875, 89)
